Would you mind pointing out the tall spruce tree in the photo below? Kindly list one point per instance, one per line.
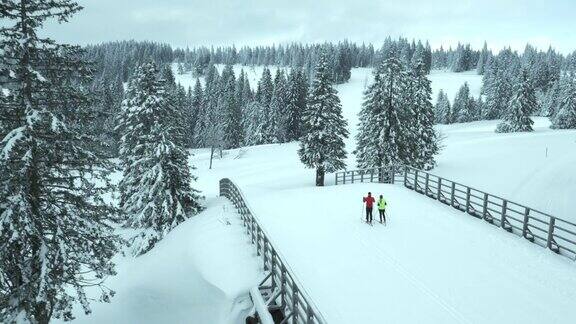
(296, 103)
(197, 114)
(443, 110)
(155, 192)
(565, 117)
(231, 111)
(464, 108)
(278, 116)
(523, 103)
(483, 59)
(55, 229)
(380, 140)
(422, 137)
(324, 128)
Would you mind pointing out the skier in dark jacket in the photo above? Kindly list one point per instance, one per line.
(369, 200)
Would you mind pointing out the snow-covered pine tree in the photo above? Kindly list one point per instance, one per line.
(499, 78)
(213, 132)
(297, 92)
(565, 117)
(278, 117)
(254, 123)
(265, 88)
(516, 118)
(324, 128)
(155, 192)
(56, 235)
(483, 59)
(551, 100)
(380, 136)
(443, 110)
(423, 140)
(231, 122)
(464, 109)
(199, 108)
(342, 63)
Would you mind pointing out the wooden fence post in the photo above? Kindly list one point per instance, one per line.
(336, 178)
(405, 176)
(309, 315)
(453, 192)
(426, 183)
(439, 192)
(525, 223)
(352, 176)
(416, 180)
(550, 239)
(295, 304)
(283, 287)
(485, 207)
(392, 173)
(468, 200)
(503, 214)
(264, 249)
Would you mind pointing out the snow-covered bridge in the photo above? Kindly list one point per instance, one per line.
(430, 264)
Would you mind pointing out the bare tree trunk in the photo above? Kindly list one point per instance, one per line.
(320, 176)
(211, 155)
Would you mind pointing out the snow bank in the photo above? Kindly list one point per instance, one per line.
(200, 273)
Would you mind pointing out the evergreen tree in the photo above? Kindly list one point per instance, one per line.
(198, 107)
(56, 235)
(380, 136)
(522, 105)
(231, 111)
(322, 145)
(278, 117)
(265, 88)
(254, 123)
(565, 117)
(464, 109)
(483, 59)
(421, 136)
(443, 110)
(213, 132)
(499, 77)
(155, 191)
(296, 103)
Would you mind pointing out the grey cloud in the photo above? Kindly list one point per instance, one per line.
(221, 22)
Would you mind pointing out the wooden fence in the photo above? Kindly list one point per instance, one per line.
(554, 233)
(279, 289)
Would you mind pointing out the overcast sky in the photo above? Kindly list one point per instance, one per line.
(225, 22)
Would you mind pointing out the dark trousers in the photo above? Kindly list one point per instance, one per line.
(369, 214)
(382, 215)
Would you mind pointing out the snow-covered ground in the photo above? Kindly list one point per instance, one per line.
(431, 264)
(200, 273)
(536, 169)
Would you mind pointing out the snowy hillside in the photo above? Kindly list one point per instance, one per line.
(431, 264)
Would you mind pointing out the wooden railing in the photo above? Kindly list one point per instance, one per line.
(554, 233)
(279, 289)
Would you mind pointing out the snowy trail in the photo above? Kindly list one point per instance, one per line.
(430, 264)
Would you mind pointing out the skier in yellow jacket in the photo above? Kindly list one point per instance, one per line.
(382, 209)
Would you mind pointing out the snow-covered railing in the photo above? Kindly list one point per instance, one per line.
(284, 297)
(554, 233)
